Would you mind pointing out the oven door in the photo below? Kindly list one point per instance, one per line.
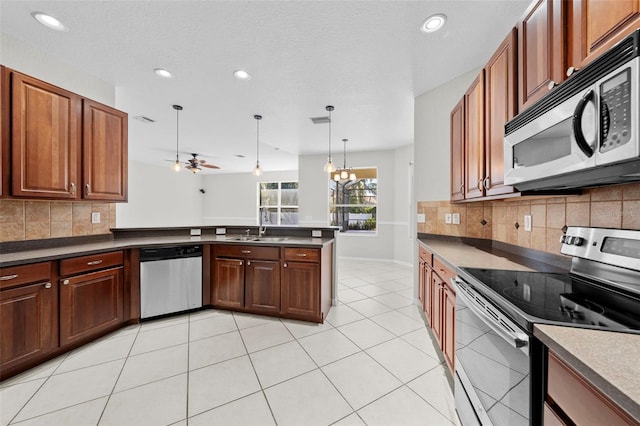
(492, 363)
(560, 141)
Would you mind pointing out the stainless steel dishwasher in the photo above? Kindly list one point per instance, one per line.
(170, 280)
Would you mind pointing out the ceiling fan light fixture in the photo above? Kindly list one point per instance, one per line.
(49, 21)
(194, 169)
(433, 23)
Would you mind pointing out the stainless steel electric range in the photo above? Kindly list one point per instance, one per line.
(498, 362)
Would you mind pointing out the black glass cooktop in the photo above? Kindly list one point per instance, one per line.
(561, 298)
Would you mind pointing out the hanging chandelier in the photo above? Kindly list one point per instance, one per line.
(345, 172)
(329, 167)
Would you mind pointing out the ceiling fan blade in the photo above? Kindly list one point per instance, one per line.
(209, 166)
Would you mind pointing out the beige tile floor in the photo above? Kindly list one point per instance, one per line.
(371, 363)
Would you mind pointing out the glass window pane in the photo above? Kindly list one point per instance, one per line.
(289, 216)
(269, 215)
(289, 195)
(352, 204)
(269, 194)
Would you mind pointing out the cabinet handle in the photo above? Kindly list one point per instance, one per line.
(8, 277)
(47, 285)
(462, 188)
(551, 85)
(571, 71)
(301, 254)
(486, 182)
(248, 263)
(87, 189)
(240, 263)
(480, 185)
(65, 282)
(285, 264)
(73, 188)
(246, 251)
(94, 262)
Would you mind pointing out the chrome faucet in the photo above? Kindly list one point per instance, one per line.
(261, 229)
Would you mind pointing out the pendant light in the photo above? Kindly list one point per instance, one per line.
(177, 166)
(329, 167)
(344, 173)
(257, 171)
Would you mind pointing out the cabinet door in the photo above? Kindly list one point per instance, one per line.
(448, 325)
(28, 323)
(228, 283)
(435, 316)
(262, 286)
(90, 304)
(500, 74)
(300, 293)
(104, 156)
(421, 284)
(45, 139)
(541, 50)
(457, 151)
(5, 132)
(596, 25)
(474, 138)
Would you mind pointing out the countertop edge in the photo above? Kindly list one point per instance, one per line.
(607, 388)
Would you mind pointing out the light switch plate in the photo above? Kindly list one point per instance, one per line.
(95, 217)
(527, 222)
(316, 233)
(447, 218)
(196, 231)
(221, 231)
(421, 218)
(456, 218)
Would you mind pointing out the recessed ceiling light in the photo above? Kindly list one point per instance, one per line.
(433, 23)
(162, 72)
(241, 75)
(49, 21)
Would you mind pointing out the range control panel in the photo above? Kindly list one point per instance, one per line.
(616, 247)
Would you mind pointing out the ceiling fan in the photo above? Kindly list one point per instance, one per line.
(194, 164)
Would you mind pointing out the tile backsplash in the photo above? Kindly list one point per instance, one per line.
(607, 207)
(34, 220)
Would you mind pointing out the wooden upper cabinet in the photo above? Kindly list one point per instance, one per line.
(457, 152)
(541, 50)
(104, 152)
(474, 139)
(45, 139)
(500, 98)
(5, 132)
(596, 25)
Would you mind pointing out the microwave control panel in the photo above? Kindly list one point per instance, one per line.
(615, 111)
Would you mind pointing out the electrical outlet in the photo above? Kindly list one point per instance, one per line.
(196, 231)
(316, 233)
(527, 222)
(421, 218)
(447, 218)
(456, 218)
(95, 217)
(221, 231)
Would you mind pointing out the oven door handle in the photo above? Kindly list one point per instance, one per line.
(515, 339)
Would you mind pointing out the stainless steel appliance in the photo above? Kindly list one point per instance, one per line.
(170, 280)
(585, 131)
(498, 365)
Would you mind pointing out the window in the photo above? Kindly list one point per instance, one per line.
(353, 203)
(278, 203)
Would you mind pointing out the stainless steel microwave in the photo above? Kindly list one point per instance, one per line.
(585, 131)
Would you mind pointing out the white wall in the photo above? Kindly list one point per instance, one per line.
(432, 138)
(313, 190)
(404, 234)
(158, 196)
(231, 198)
(29, 60)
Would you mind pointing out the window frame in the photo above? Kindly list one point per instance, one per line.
(356, 232)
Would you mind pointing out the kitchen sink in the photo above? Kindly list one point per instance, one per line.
(252, 238)
(241, 238)
(274, 239)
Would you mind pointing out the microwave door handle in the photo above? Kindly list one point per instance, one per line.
(515, 339)
(577, 123)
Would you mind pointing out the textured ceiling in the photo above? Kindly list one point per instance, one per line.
(368, 58)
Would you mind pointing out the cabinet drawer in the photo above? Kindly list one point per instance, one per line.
(443, 271)
(90, 263)
(302, 254)
(578, 399)
(425, 255)
(24, 274)
(246, 252)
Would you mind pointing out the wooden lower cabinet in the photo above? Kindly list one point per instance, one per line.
(228, 284)
(90, 304)
(300, 292)
(448, 325)
(28, 324)
(435, 316)
(262, 286)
